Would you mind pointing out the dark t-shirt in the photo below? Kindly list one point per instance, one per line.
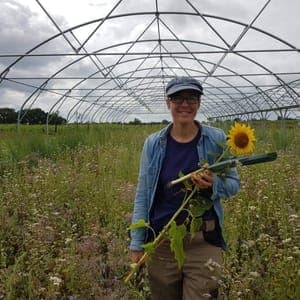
(179, 157)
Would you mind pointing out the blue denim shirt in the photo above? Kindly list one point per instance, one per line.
(151, 161)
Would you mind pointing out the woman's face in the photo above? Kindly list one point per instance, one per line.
(184, 106)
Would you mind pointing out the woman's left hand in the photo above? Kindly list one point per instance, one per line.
(203, 180)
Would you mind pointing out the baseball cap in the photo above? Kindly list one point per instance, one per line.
(178, 84)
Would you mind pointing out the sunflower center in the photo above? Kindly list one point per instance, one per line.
(241, 140)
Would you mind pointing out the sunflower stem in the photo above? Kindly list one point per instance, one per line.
(159, 238)
(230, 163)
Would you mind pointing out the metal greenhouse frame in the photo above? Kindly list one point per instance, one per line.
(99, 78)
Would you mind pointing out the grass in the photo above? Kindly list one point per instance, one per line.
(261, 228)
(65, 200)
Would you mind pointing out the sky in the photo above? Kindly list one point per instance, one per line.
(24, 24)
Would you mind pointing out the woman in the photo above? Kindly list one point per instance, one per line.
(179, 148)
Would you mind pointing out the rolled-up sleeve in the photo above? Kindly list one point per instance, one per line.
(227, 186)
(140, 210)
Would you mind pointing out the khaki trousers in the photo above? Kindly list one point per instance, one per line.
(196, 280)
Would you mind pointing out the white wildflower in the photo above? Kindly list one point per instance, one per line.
(56, 280)
(254, 274)
(286, 241)
(209, 265)
(251, 243)
(296, 251)
(294, 216)
(208, 296)
(68, 240)
(62, 259)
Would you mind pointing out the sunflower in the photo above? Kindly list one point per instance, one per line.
(240, 139)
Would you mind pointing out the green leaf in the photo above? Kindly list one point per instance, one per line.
(197, 208)
(203, 161)
(205, 204)
(177, 234)
(149, 248)
(195, 226)
(199, 205)
(187, 184)
(139, 224)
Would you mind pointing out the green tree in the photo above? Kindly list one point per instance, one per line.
(136, 121)
(56, 119)
(7, 116)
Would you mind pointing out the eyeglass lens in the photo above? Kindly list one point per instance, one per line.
(190, 99)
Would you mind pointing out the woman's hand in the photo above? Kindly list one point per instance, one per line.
(203, 180)
(136, 255)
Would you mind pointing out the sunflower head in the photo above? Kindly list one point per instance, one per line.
(240, 139)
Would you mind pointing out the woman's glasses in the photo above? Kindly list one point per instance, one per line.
(178, 99)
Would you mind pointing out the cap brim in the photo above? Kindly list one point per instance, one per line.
(179, 88)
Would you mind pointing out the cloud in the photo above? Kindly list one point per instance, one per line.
(24, 25)
(21, 28)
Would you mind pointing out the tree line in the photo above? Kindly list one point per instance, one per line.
(30, 116)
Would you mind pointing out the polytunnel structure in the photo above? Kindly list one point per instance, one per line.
(112, 61)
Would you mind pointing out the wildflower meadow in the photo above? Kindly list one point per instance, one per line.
(66, 199)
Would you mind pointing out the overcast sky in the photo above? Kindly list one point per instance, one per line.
(24, 25)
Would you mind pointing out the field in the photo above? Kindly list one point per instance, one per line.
(65, 201)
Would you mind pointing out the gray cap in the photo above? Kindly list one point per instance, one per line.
(178, 84)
